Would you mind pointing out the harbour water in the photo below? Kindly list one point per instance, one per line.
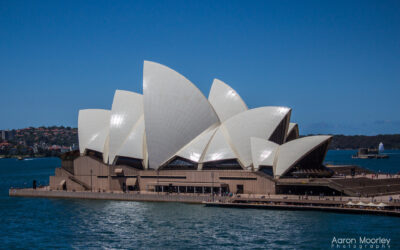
(390, 165)
(64, 224)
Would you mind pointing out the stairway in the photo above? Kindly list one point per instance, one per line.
(346, 190)
(84, 185)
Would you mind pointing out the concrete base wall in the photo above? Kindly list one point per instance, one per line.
(98, 176)
(28, 192)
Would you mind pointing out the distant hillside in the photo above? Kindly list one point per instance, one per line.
(54, 140)
(362, 141)
(42, 141)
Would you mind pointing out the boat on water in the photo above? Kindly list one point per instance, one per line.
(381, 147)
(368, 153)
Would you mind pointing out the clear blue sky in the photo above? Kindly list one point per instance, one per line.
(335, 63)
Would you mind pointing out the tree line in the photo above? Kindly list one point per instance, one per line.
(364, 141)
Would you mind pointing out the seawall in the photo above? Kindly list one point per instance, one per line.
(279, 204)
(28, 192)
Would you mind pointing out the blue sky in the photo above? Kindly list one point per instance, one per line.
(335, 63)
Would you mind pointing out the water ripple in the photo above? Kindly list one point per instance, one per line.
(91, 224)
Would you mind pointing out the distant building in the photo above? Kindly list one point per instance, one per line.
(7, 135)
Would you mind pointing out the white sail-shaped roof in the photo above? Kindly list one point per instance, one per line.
(263, 152)
(126, 110)
(173, 118)
(219, 147)
(293, 131)
(194, 150)
(291, 152)
(133, 146)
(93, 130)
(259, 122)
(225, 101)
(175, 112)
(292, 126)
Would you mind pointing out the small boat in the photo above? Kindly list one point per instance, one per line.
(368, 153)
(381, 148)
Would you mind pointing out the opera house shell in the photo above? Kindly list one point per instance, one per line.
(173, 128)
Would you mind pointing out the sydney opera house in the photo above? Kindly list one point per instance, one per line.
(173, 139)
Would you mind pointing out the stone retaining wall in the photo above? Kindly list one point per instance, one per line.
(29, 192)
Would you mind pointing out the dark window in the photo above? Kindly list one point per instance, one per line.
(162, 177)
(119, 176)
(132, 162)
(310, 190)
(225, 189)
(239, 178)
(222, 165)
(239, 189)
(267, 170)
(133, 187)
(198, 189)
(179, 163)
(94, 154)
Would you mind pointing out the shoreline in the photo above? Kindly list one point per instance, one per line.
(25, 156)
(207, 200)
(57, 155)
